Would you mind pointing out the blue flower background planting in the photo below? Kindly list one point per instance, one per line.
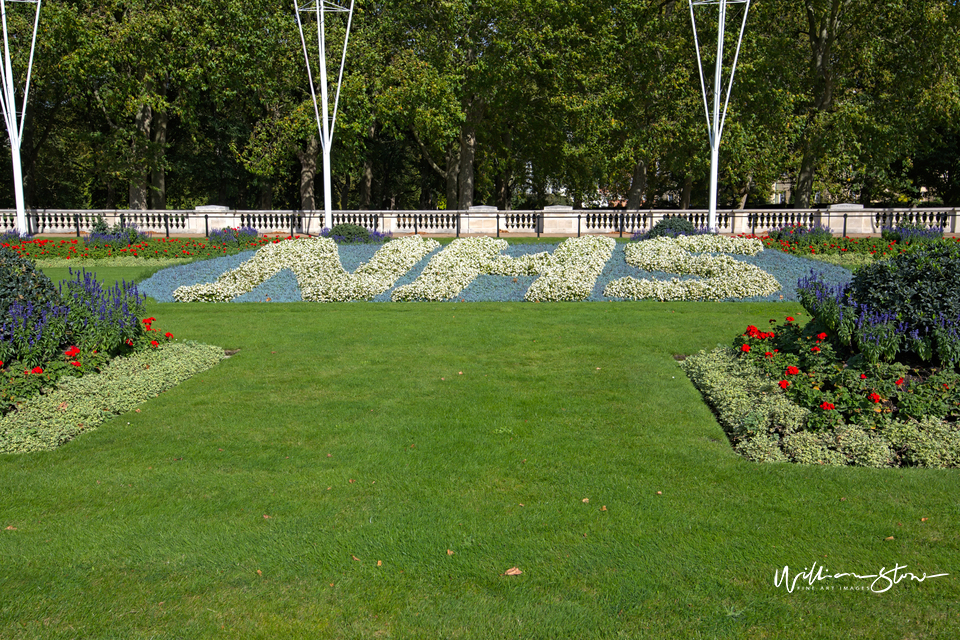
(283, 286)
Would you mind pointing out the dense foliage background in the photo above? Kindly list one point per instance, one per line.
(514, 103)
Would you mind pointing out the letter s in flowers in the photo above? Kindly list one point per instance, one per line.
(722, 276)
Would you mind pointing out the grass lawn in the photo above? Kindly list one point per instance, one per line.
(571, 446)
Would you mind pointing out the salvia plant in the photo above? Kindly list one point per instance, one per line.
(30, 333)
(116, 237)
(802, 233)
(912, 233)
(102, 319)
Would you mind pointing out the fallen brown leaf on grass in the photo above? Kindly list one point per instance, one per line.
(11, 528)
(513, 571)
(379, 563)
(586, 500)
(355, 558)
(449, 552)
(603, 508)
(889, 538)
(923, 519)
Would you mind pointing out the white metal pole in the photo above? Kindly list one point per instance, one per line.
(325, 120)
(715, 130)
(716, 119)
(10, 116)
(325, 134)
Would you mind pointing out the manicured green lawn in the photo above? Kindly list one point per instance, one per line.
(352, 427)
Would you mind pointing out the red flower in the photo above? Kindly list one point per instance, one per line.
(76, 364)
(899, 381)
(784, 384)
(946, 386)
(863, 376)
(129, 343)
(168, 335)
(826, 406)
(815, 349)
(71, 352)
(768, 354)
(37, 370)
(745, 348)
(875, 397)
(792, 371)
(154, 343)
(789, 319)
(821, 336)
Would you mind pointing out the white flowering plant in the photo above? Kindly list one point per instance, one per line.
(320, 275)
(569, 273)
(721, 276)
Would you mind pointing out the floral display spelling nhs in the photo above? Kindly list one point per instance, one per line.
(569, 273)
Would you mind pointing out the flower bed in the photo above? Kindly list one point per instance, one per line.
(569, 273)
(722, 276)
(80, 404)
(509, 274)
(320, 275)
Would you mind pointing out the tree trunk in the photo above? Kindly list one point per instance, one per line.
(501, 185)
(138, 185)
(308, 172)
(637, 186)
(158, 178)
(468, 154)
(803, 189)
(745, 192)
(452, 176)
(427, 199)
(266, 197)
(366, 185)
(687, 191)
(366, 181)
(111, 196)
(345, 193)
(822, 31)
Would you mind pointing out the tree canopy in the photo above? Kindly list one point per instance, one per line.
(513, 103)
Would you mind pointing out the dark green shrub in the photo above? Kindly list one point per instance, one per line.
(919, 288)
(669, 228)
(353, 234)
(100, 226)
(21, 281)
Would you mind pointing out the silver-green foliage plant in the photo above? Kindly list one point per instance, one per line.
(77, 405)
(764, 425)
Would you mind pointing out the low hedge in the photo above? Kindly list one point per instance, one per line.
(764, 425)
(77, 405)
